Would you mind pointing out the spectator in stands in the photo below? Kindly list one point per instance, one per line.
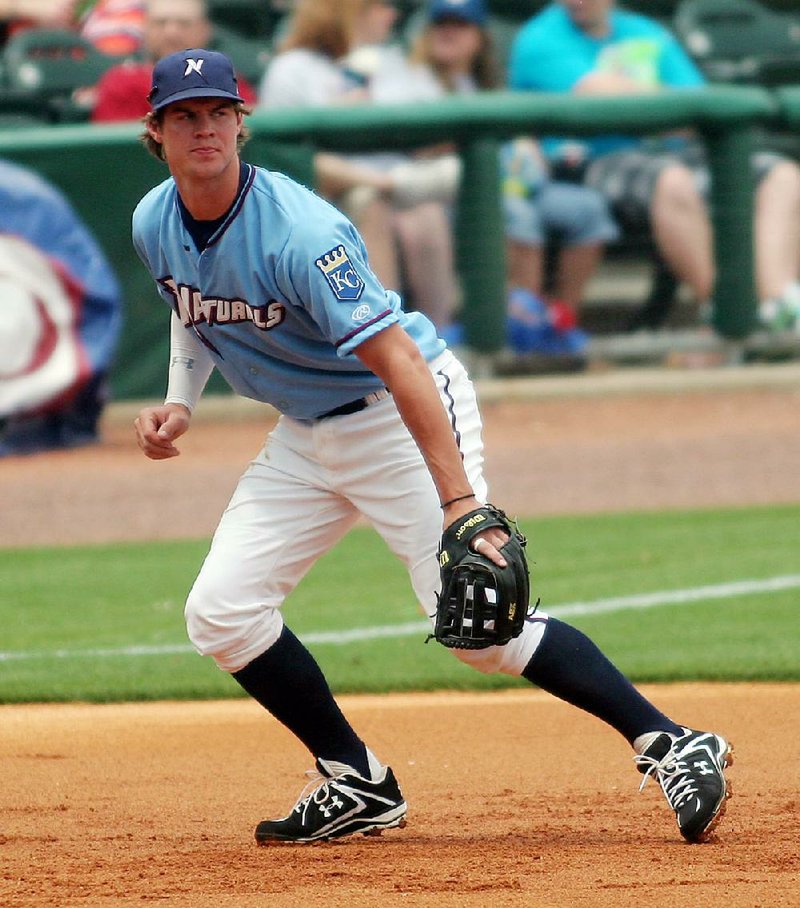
(115, 27)
(62, 312)
(591, 48)
(16, 15)
(455, 47)
(335, 52)
(169, 26)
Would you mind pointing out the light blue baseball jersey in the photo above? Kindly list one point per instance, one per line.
(281, 295)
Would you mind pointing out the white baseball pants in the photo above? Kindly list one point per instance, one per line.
(306, 488)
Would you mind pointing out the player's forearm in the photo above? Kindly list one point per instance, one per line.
(394, 357)
(422, 412)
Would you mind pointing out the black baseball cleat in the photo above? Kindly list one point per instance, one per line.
(691, 772)
(341, 803)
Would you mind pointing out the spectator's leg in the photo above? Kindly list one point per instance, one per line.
(375, 221)
(425, 237)
(777, 230)
(682, 230)
(526, 261)
(525, 264)
(576, 264)
(580, 217)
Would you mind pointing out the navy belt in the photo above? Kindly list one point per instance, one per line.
(356, 406)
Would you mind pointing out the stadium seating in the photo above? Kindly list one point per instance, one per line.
(250, 55)
(50, 67)
(17, 110)
(253, 19)
(740, 41)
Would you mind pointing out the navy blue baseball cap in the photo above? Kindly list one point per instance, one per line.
(193, 73)
(472, 11)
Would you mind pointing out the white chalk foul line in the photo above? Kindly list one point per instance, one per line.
(411, 628)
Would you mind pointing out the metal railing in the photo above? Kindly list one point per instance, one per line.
(102, 170)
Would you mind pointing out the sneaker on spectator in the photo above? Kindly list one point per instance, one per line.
(562, 315)
(781, 313)
(533, 326)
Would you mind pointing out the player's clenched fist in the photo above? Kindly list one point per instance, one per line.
(158, 427)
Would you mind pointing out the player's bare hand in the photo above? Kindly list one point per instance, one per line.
(157, 428)
(487, 543)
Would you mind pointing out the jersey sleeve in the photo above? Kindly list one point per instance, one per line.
(325, 270)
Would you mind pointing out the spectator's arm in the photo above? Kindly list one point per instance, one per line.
(611, 83)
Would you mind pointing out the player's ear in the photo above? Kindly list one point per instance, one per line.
(153, 127)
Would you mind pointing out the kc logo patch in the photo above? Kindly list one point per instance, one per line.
(340, 274)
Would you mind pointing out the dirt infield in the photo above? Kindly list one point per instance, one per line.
(515, 799)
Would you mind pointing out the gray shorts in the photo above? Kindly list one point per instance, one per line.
(627, 179)
(574, 214)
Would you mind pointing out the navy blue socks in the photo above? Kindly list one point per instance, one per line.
(570, 666)
(287, 682)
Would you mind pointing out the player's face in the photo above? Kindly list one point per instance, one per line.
(199, 137)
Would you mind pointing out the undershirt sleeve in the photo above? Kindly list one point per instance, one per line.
(190, 366)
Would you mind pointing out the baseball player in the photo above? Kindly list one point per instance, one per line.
(271, 285)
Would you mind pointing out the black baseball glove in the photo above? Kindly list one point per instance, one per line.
(481, 604)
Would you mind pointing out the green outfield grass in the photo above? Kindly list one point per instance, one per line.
(104, 623)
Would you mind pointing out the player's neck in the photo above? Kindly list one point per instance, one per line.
(208, 198)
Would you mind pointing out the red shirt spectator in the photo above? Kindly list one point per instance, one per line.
(169, 26)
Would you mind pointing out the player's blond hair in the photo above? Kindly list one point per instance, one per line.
(326, 26)
(156, 149)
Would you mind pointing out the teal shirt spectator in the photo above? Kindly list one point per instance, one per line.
(551, 54)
